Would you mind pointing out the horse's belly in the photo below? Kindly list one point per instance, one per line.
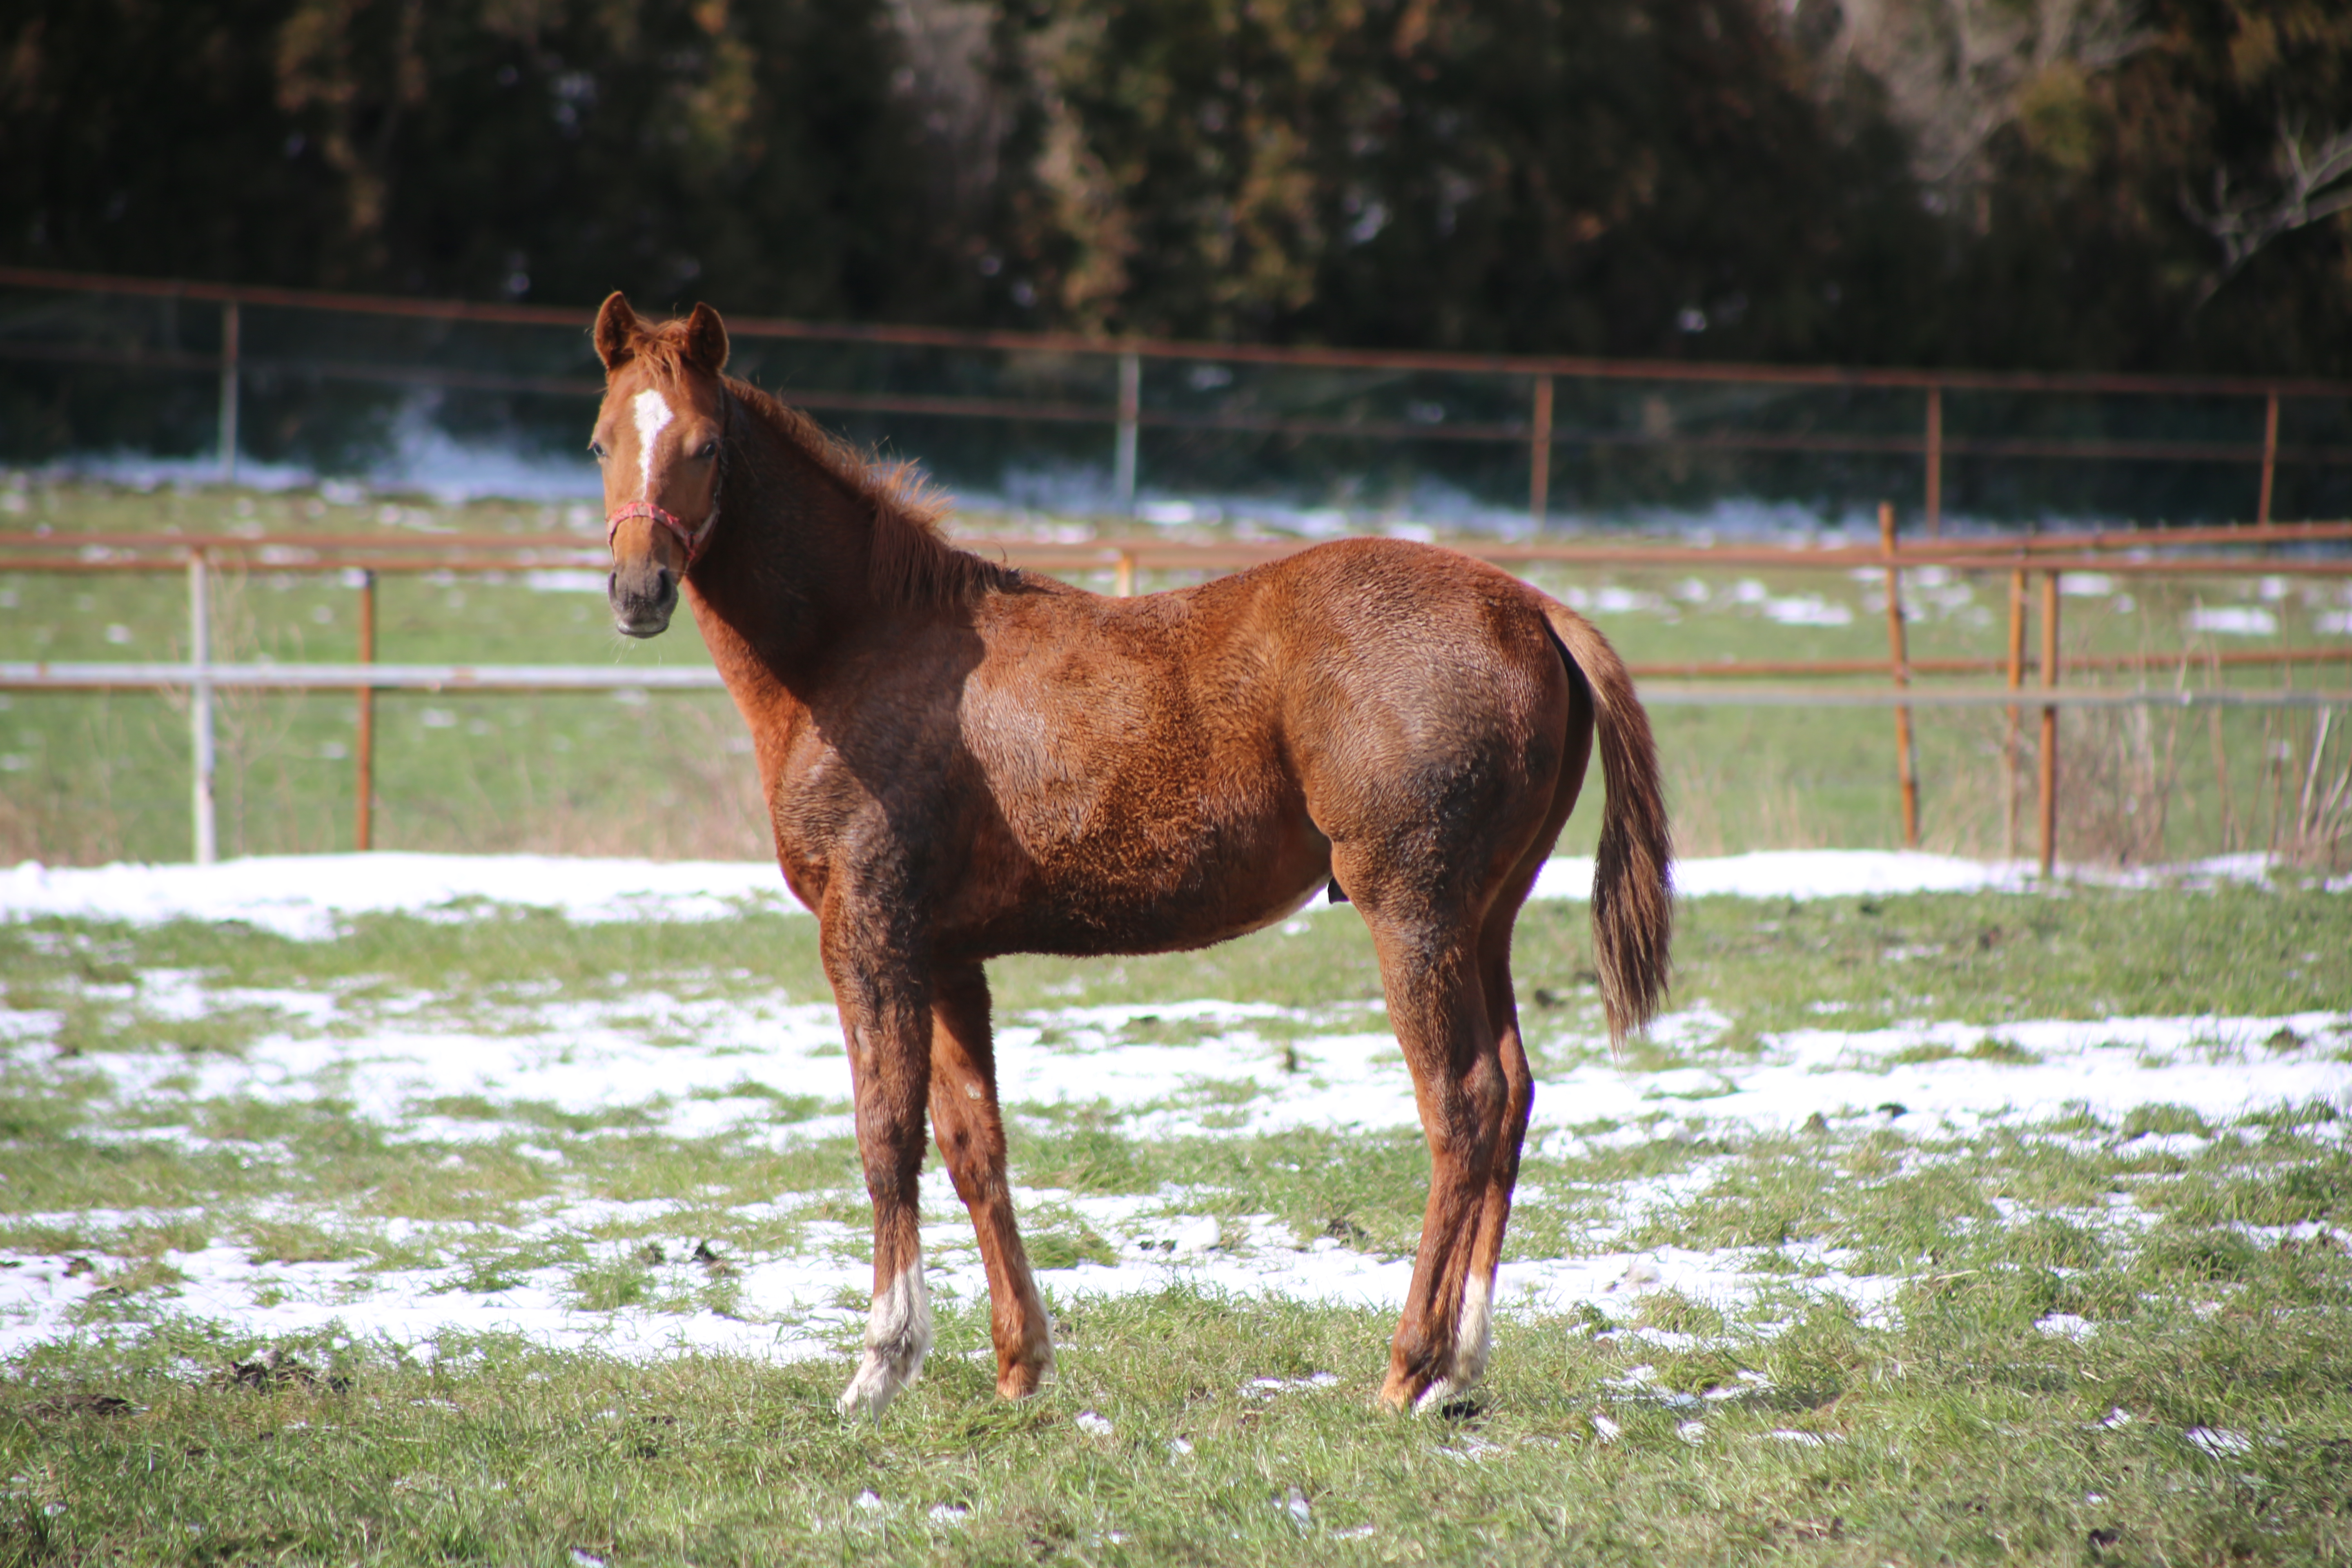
(1148, 887)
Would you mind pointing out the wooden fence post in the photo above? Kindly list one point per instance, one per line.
(363, 748)
(1130, 409)
(2049, 758)
(1122, 575)
(1539, 454)
(200, 705)
(1934, 462)
(228, 392)
(2270, 458)
(1899, 664)
(2008, 732)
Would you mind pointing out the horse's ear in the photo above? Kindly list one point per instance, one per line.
(706, 340)
(616, 331)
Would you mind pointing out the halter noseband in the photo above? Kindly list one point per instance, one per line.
(694, 540)
(663, 518)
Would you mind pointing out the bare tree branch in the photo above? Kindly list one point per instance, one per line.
(2243, 222)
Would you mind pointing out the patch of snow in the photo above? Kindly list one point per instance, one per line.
(1809, 610)
(309, 897)
(2218, 1442)
(301, 896)
(564, 580)
(2233, 620)
(1268, 1388)
(2067, 1326)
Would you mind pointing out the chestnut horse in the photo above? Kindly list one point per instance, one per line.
(962, 760)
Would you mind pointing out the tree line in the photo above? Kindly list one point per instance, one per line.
(2131, 185)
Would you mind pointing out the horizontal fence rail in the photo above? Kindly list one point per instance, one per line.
(2320, 551)
(2141, 552)
(1521, 400)
(113, 674)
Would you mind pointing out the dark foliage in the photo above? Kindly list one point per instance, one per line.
(1620, 177)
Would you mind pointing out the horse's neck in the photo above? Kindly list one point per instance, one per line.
(790, 569)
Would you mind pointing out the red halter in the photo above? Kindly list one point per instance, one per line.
(663, 518)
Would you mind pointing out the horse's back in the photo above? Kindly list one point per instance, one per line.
(1168, 771)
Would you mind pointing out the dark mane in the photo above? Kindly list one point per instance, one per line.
(913, 562)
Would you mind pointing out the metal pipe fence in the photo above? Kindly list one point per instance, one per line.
(2119, 552)
(1940, 425)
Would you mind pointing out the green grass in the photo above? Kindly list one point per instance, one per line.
(91, 778)
(1963, 1434)
(2201, 1257)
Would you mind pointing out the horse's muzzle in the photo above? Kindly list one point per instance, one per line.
(643, 594)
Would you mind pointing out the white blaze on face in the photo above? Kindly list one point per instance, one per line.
(653, 417)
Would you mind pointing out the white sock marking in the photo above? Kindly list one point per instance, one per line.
(653, 416)
(897, 1338)
(1474, 1342)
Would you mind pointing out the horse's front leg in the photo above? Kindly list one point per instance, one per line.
(971, 1133)
(885, 1021)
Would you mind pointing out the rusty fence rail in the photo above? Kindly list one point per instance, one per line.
(360, 558)
(1532, 383)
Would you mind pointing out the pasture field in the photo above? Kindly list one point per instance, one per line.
(1925, 1228)
(87, 779)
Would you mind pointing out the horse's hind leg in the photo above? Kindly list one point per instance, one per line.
(1475, 1337)
(971, 1134)
(1437, 1004)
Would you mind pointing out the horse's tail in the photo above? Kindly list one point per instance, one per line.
(1633, 899)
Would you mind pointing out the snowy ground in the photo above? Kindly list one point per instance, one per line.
(302, 895)
(709, 1074)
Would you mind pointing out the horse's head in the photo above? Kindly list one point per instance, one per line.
(660, 440)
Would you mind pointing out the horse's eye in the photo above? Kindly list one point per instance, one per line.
(597, 448)
(710, 450)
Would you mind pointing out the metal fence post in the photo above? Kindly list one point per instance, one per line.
(228, 392)
(1539, 454)
(1899, 662)
(2049, 759)
(363, 745)
(200, 704)
(1130, 407)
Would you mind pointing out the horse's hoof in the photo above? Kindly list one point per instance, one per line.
(876, 1383)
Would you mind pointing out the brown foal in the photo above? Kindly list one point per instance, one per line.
(962, 760)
